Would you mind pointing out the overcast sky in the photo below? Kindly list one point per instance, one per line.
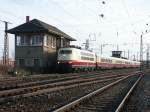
(123, 21)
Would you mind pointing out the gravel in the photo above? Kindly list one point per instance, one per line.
(140, 99)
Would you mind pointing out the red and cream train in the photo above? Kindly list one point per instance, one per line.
(70, 59)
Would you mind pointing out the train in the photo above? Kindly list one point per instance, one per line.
(71, 59)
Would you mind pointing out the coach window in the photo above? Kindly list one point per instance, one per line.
(91, 59)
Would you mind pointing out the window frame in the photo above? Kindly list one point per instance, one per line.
(36, 40)
(29, 40)
(53, 42)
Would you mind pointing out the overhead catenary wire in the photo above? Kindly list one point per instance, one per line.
(64, 10)
(18, 17)
(22, 19)
(11, 14)
(89, 8)
(129, 16)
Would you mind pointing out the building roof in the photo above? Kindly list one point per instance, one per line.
(35, 26)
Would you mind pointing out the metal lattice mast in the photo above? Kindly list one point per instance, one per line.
(6, 44)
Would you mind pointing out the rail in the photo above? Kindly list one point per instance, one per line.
(78, 101)
(128, 95)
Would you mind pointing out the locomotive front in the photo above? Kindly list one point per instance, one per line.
(65, 58)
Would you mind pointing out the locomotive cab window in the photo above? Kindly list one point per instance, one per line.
(65, 52)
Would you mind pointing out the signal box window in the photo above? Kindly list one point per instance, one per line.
(53, 42)
(37, 40)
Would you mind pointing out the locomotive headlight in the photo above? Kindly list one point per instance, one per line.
(58, 62)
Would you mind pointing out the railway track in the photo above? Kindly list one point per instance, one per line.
(55, 86)
(6, 85)
(110, 98)
(47, 98)
(33, 83)
(140, 99)
(51, 76)
(43, 82)
(52, 96)
(39, 85)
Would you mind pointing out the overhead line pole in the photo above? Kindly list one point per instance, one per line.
(128, 54)
(141, 52)
(6, 44)
(147, 55)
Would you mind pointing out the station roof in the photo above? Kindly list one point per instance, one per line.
(37, 26)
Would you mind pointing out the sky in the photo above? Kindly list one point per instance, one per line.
(122, 23)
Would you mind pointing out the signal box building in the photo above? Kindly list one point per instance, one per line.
(116, 54)
(36, 45)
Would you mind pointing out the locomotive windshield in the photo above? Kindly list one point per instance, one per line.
(65, 51)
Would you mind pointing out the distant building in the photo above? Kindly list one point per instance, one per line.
(116, 54)
(36, 45)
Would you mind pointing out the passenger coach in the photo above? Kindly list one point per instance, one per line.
(71, 59)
